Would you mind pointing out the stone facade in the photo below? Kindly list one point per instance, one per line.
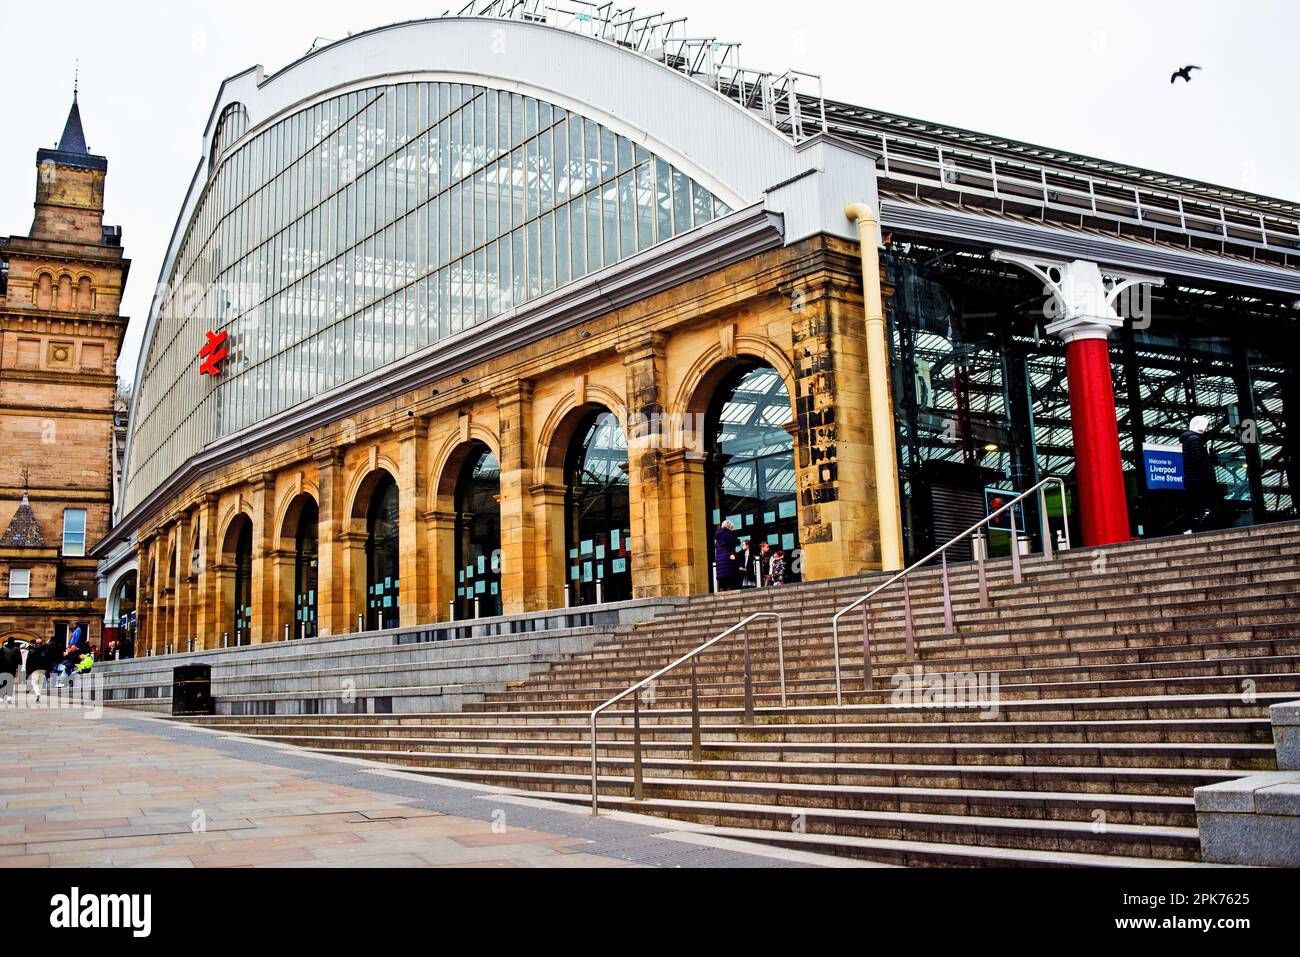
(61, 326)
(797, 309)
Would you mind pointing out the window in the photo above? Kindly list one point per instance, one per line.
(20, 583)
(74, 532)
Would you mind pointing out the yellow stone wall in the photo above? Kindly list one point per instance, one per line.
(798, 309)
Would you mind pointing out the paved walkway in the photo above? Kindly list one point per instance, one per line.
(133, 791)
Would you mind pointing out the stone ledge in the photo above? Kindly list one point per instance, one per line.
(1286, 734)
(1255, 820)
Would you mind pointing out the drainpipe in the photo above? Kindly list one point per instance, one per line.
(878, 382)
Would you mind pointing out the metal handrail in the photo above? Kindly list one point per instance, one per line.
(635, 691)
(942, 552)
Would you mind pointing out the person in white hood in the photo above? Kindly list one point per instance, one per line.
(1198, 475)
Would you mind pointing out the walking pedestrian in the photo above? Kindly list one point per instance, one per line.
(39, 662)
(1199, 479)
(11, 660)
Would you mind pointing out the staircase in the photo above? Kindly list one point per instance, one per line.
(1125, 680)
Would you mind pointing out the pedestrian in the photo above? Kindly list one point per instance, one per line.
(776, 573)
(726, 563)
(11, 660)
(1199, 479)
(38, 666)
(764, 564)
(747, 565)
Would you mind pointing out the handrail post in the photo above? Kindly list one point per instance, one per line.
(780, 654)
(868, 678)
(835, 643)
(595, 780)
(638, 783)
(1017, 573)
(982, 564)
(696, 750)
(749, 683)
(1045, 524)
(907, 612)
(948, 622)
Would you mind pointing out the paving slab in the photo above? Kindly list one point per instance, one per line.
(130, 790)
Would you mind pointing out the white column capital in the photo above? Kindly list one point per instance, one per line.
(1082, 296)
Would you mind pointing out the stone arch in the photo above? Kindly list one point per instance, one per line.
(85, 294)
(230, 582)
(288, 510)
(227, 521)
(450, 459)
(295, 567)
(43, 290)
(364, 562)
(19, 635)
(558, 430)
(709, 370)
(362, 485)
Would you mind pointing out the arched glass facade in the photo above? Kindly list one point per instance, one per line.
(751, 468)
(598, 512)
(383, 569)
(306, 570)
(478, 537)
(372, 225)
(243, 584)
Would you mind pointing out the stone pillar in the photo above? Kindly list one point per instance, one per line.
(1084, 302)
(838, 514)
(181, 629)
(550, 554)
(518, 530)
(330, 613)
(265, 542)
(352, 550)
(205, 564)
(177, 629)
(649, 495)
(442, 562)
(691, 548)
(143, 606)
(412, 492)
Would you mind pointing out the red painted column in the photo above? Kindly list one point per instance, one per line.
(1099, 465)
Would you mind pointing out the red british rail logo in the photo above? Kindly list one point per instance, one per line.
(213, 354)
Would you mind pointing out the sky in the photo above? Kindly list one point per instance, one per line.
(1090, 77)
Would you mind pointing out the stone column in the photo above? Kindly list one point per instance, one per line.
(209, 611)
(838, 514)
(518, 529)
(178, 636)
(550, 553)
(352, 601)
(442, 562)
(691, 547)
(265, 542)
(649, 495)
(412, 491)
(331, 618)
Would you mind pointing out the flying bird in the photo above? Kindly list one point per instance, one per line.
(1185, 73)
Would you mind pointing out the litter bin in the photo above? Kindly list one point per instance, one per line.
(192, 690)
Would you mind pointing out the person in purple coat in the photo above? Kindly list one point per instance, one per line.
(725, 561)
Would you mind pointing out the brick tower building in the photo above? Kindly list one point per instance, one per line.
(60, 331)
